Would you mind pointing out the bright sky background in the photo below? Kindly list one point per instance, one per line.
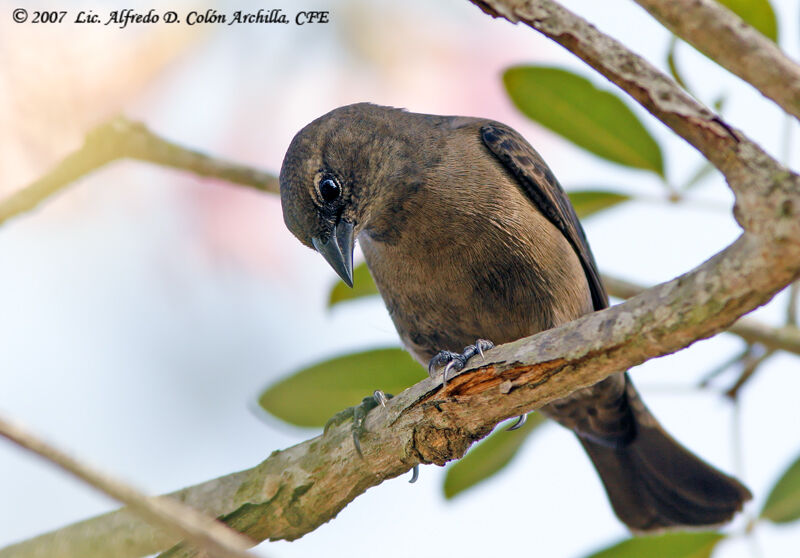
(143, 310)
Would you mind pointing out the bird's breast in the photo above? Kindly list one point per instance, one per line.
(446, 288)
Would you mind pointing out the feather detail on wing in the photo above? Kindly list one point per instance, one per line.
(539, 184)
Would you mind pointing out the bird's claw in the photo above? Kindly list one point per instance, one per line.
(359, 414)
(442, 358)
(454, 361)
(517, 425)
(381, 397)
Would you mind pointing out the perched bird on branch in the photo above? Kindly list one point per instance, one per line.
(469, 237)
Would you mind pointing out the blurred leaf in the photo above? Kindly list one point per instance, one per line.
(593, 119)
(783, 502)
(758, 13)
(672, 64)
(487, 457)
(674, 545)
(719, 103)
(588, 202)
(703, 171)
(363, 285)
(313, 395)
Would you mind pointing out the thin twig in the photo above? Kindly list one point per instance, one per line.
(203, 532)
(725, 38)
(119, 139)
(725, 365)
(751, 364)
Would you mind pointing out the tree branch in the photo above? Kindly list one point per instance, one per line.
(119, 139)
(750, 171)
(169, 515)
(296, 490)
(727, 40)
(785, 338)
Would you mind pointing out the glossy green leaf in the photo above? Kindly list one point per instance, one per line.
(758, 13)
(313, 395)
(488, 457)
(783, 502)
(674, 545)
(591, 118)
(589, 202)
(363, 285)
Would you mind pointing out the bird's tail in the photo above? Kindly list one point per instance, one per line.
(655, 483)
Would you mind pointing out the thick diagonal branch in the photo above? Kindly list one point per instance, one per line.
(296, 490)
(785, 338)
(750, 172)
(725, 38)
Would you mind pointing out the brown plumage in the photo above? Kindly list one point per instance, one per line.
(468, 235)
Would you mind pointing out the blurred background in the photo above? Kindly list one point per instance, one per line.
(143, 310)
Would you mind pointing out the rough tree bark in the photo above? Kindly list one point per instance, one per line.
(725, 38)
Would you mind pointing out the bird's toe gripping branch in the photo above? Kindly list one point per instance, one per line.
(455, 362)
(358, 414)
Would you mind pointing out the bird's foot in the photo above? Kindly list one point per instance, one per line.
(358, 414)
(454, 361)
(522, 419)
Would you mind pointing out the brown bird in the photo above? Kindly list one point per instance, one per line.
(469, 236)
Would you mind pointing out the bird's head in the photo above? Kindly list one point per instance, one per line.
(338, 173)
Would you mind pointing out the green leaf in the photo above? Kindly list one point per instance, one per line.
(783, 502)
(719, 103)
(487, 457)
(363, 285)
(672, 64)
(313, 395)
(758, 13)
(591, 118)
(588, 202)
(674, 545)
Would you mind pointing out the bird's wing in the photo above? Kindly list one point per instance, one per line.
(538, 182)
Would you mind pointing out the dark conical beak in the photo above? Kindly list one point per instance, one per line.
(338, 250)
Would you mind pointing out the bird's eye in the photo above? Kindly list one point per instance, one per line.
(329, 189)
